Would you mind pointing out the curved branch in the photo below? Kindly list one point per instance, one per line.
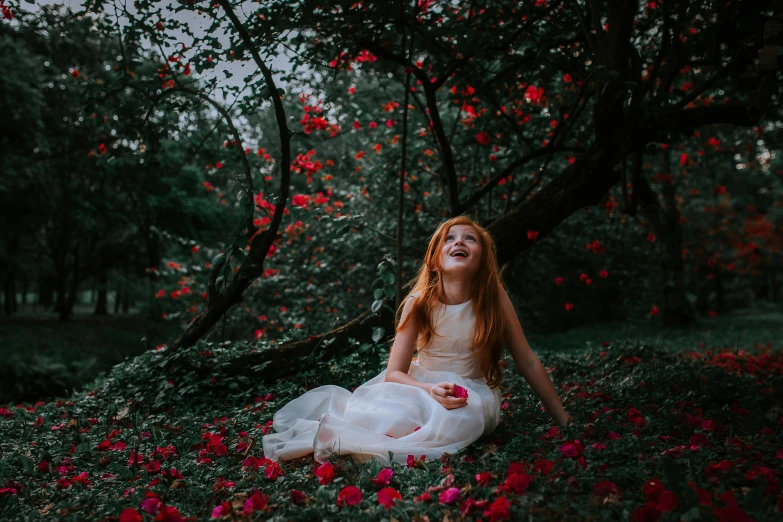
(253, 265)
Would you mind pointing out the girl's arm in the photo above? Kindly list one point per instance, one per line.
(402, 352)
(528, 364)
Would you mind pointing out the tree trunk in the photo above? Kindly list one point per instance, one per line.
(720, 293)
(102, 303)
(69, 297)
(153, 258)
(9, 291)
(62, 308)
(46, 290)
(676, 309)
(703, 299)
(505, 271)
(25, 288)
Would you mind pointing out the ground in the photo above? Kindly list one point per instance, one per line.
(671, 425)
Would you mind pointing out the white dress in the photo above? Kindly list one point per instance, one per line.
(379, 417)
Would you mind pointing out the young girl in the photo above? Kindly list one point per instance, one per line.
(457, 315)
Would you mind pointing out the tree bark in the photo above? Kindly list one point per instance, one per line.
(9, 289)
(102, 303)
(63, 310)
(69, 293)
(25, 288)
(676, 309)
(720, 293)
(46, 288)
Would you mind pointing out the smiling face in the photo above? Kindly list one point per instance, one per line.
(460, 254)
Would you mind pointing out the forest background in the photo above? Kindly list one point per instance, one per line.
(130, 168)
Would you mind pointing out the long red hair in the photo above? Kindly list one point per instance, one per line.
(485, 295)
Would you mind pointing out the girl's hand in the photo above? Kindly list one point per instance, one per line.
(443, 392)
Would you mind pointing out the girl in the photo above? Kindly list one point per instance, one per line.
(457, 316)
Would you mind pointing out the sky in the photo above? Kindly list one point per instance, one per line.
(198, 25)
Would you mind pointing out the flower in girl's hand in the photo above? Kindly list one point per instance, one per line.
(450, 496)
(460, 392)
(384, 477)
(325, 473)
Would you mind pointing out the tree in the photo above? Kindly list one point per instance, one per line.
(628, 95)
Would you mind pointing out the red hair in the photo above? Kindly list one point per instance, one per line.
(484, 293)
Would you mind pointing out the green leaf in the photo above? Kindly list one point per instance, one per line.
(27, 463)
(754, 498)
(376, 305)
(378, 293)
(693, 513)
(390, 291)
(388, 277)
(377, 333)
(674, 477)
(264, 92)
(218, 260)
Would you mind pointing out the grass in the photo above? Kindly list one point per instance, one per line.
(662, 434)
(741, 328)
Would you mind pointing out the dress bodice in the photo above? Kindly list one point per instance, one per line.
(451, 350)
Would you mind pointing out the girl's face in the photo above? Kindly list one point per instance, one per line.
(463, 239)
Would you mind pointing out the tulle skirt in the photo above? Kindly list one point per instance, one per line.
(381, 417)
